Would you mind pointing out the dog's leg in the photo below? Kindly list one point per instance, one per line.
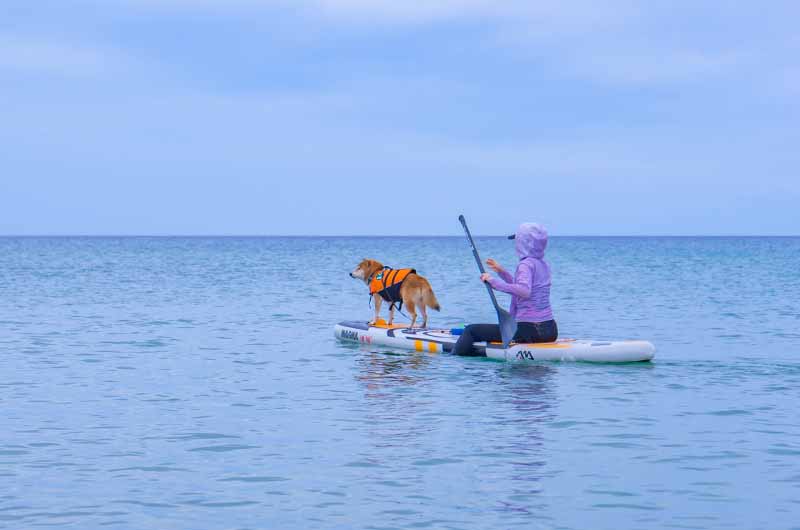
(391, 314)
(424, 311)
(376, 301)
(412, 312)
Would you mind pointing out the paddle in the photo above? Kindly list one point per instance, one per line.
(508, 326)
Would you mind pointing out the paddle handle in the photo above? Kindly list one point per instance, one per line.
(478, 261)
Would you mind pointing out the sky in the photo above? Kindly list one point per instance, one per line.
(357, 117)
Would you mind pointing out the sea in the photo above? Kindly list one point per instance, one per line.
(195, 383)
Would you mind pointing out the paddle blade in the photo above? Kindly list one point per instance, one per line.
(508, 326)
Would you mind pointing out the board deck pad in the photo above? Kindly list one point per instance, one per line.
(442, 340)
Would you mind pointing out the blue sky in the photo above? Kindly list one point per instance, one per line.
(386, 117)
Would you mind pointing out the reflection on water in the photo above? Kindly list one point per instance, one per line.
(393, 402)
(531, 395)
(519, 400)
(530, 387)
(381, 369)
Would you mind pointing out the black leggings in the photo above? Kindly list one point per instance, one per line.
(526, 332)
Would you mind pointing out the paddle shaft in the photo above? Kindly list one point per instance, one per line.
(506, 323)
(479, 262)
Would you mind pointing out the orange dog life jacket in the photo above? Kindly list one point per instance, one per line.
(387, 284)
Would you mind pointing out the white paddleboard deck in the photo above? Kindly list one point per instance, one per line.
(442, 340)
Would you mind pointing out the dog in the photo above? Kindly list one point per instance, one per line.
(403, 286)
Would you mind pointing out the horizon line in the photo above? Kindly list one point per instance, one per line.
(374, 235)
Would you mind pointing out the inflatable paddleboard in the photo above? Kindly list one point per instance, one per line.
(442, 340)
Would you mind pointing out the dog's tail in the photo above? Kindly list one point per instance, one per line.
(431, 301)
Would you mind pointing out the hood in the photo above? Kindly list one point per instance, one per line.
(530, 240)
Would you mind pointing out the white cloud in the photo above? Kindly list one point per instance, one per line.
(619, 41)
(570, 12)
(325, 132)
(45, 55)
(652, 66)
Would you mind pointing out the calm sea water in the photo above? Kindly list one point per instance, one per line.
(194, 383)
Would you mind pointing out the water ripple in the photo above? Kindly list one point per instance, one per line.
(195, 383)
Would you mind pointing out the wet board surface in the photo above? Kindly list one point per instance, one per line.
(442, 341)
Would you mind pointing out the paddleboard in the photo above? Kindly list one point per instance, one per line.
(442, 340)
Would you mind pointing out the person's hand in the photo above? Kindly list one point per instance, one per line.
(494, 265)
(485, 277)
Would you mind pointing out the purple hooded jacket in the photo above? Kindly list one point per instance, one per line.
(530, 286)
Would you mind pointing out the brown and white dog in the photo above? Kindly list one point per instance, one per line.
(414, 290)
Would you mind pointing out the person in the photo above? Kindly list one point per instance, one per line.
(529, 290)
